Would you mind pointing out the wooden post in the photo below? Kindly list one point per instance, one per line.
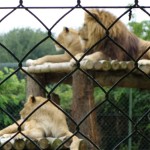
(83, 102)
(32, 86)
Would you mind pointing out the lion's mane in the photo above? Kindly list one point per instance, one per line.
(102, 26)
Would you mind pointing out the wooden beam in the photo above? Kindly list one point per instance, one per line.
(106, 78)
(132, 80)
(33, 88)
(83, 103)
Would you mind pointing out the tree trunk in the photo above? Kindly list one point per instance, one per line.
(83, 102)
(33, 88)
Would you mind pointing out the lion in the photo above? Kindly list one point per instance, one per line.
(101, 28)
(46, 121)
(69, 39)
(103, 36)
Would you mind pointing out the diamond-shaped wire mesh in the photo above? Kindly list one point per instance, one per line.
(115, 127)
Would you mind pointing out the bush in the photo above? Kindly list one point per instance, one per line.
(12, 94)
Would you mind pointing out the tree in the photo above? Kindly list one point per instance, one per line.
(12, 96)
(21, 41)
(141, 29)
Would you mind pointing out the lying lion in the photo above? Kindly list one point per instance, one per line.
(46, 121)
(105, 36)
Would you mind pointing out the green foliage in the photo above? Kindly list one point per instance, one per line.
(12, 93)
(99, 95)
(141, 101)
(141, 98)
(65, 93)
(21, 41)
(141, 29)
(117, 124)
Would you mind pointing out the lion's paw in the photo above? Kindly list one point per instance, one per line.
(30, 62)
(19, 136)
(7, 135)
(78, 56)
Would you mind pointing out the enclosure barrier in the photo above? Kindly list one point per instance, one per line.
(83, 77)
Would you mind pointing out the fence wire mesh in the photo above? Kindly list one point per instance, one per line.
(113, 118)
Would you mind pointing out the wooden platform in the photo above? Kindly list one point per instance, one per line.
(83, 77)
(106, 73)
(43, 143)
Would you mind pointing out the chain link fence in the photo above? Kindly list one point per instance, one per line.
(119, 125)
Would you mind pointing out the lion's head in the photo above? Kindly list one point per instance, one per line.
(103, 27)
(67, 37)
(31, 104)
(97, 25)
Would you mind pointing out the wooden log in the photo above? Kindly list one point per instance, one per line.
(59, 67)
(123, 65)
(144, 62)
(54, 142)
(7, 146)
(30, 145)
(144, 65)
(47, 143)
(32, 86)
(102, 65)
(19, 144)
(83, 103)
(88, 64)
(145, 69)
(115, 65)
(83, 145)
(49, 67)
(84, 64)
(130, 65)
(68, 143)
(44, 144)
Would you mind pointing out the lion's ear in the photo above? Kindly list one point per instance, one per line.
(66, 29)
(32, 99)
